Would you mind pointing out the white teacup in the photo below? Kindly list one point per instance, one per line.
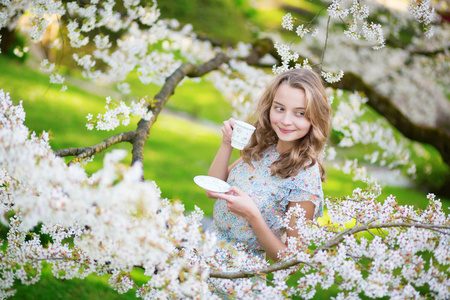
(242, 133)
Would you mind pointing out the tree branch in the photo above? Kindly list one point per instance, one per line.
(431, 53)
(293, 262)
(361, 228)
(187, 69)
(139, 136)
(92, 150)
(243, 274)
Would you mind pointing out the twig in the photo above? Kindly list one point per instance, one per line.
(62, 53)
(325, 47)
(355, 259)
(318, 13)
(270, 269)
(92, 150)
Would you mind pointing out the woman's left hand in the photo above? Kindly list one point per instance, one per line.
(238, 202)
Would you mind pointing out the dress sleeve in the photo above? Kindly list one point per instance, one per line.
(306, 186)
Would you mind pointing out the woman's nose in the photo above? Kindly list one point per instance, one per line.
(286, 120)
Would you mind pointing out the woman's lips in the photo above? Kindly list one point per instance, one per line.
(285, 131)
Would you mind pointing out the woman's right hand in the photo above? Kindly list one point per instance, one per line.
(227, 131)
(209, 195)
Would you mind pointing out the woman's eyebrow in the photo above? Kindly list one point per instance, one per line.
(278, 103)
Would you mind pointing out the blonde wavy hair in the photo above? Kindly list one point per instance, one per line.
(305, 152)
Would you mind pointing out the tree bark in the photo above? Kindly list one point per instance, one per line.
(84, 152)
(8, 39)
(162, 97)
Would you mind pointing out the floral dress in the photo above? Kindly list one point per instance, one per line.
(271, 195)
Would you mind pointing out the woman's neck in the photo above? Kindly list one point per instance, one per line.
(283, 147)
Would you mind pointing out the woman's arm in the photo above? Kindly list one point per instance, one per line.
(219, 167)
(241, 204)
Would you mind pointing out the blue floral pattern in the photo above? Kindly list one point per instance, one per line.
(271, 195)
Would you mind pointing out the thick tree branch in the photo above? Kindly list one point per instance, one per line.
(431, 53)
(396, 43)
(162, 97)
(260, 48)
(92, 150)
(339, 238)
(139, 136)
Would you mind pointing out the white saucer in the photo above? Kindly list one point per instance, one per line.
(212, 184)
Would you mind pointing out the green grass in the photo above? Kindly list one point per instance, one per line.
(92, 287)
(209, 104)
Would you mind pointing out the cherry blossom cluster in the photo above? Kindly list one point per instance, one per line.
(118, 113)
(116, 220)
(288, 57)
(332, 77)
(301, 30)
(184, 41)
(424, 13)
(356, 27)
(371, 32)
(284, 51)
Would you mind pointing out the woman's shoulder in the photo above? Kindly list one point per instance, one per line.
(309, 175)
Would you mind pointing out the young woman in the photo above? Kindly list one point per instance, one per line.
(280, 167)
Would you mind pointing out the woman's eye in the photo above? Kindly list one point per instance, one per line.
(301, 113)
(278, 108)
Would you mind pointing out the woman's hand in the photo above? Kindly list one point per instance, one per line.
(238, 202)
(210, 195)
(227, 131)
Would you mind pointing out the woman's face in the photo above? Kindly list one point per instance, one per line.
(287, 116)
